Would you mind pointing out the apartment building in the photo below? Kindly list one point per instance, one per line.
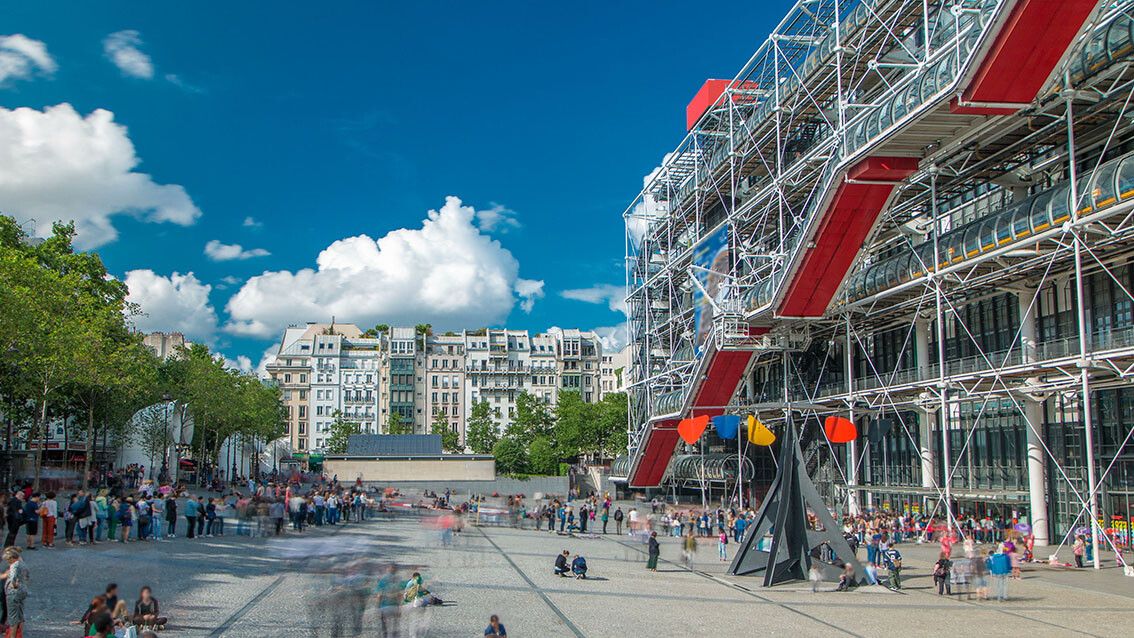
(613, 372)
(323, 369)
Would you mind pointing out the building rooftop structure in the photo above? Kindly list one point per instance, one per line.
(394, 445)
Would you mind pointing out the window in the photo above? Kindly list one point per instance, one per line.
(287, 378)
(303, 378)
(303, 444)
(302, 427)
(435, 397)
(303, 395)
(303, 412)
(318, 410)
(444, 397)
(454, 414)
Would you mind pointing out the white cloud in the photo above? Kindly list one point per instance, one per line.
(217, 251)
(446, 273)
(241, 363)
(529, 290)
(250, 222)
(496, 218)
(612, 295)
(20, 56)
(121, 48)
(614, 338)
(266, 359)
(178, 303)
(59, 165)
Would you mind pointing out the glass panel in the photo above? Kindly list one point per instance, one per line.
(972, 241)
(1060, 209)
(988, 234)
(1094, 57)
(1021, 226)
(1126, 178)
(1004, 227)
(1118, 38)
(1102, 186)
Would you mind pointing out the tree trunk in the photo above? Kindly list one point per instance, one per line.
(42, 431)
(90, 444)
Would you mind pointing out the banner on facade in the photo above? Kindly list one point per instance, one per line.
(712, 264)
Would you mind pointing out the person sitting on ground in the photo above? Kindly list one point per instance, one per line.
(846, 579)
(96, 609)
(495, 628)
(103, 627)
(579, 567)
(146, 610)
(561, 568)
(416, 593)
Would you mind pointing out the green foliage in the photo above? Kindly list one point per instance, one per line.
(450, 440)
(480, 429)
(541, 457)
(511, 457)
(376, 331)
(398, 424)
(533, 419)
(340, 432)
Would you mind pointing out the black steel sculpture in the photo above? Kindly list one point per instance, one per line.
(795, 548)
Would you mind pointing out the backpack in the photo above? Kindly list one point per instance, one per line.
(724, 538)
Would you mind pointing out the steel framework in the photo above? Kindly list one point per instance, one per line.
(880, 167)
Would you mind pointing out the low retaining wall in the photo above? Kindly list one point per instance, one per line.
(448, 467)
(556, 485)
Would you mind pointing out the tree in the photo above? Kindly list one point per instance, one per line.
(533, 419)
(541, 457)
(607, 428)
(572, 415)
(511, 457)
(398, 424)
(450, 440)
(480, 429)
(340, 432)
(376, 331)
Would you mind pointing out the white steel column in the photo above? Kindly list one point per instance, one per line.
(1033, 415)
(1084, 334)
(927, 417)
(942, 384)
(852, 449)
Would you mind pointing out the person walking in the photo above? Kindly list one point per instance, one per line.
(999, 566)
(653, 552)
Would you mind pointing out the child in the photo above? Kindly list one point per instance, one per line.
(722, 544)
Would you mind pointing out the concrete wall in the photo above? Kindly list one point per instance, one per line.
(556, 485)
(412, 469)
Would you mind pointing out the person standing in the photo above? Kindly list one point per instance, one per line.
(14, 517)
(722, 546)
(191, 516)
(618, 516)
(171, 514)
(157, 509)
(999, 566)
(112, 519)
(15, 591)
(1078, 549)
(31, 519)
(100, 514)
(892, 559)
(49, 511)
(605, 516)
(941, 574)
(653, 552)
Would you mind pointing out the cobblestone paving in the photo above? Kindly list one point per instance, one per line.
(240, 587)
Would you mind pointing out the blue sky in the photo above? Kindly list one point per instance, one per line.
(330, 122)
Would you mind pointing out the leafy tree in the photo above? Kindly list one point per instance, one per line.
(511, 457)
(606, 431)
(533, 419)
(398, 424)
(450, 440)
(340, 432)
(480, 429)
(572, 416)
(376, 331)
(541, 457)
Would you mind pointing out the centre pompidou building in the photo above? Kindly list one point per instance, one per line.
(915, 215)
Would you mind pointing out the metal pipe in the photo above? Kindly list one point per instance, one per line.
(942, 385)
(1085, 405)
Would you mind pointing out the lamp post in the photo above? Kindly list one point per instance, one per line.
(165, 438)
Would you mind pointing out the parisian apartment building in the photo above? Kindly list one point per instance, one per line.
(325, 369)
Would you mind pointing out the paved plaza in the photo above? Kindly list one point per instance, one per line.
(239, 586)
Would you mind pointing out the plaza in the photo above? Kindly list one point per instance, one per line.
(239, 586)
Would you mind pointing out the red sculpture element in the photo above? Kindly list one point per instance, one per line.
(839, 430)
(692, 429)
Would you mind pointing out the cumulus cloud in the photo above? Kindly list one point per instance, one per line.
(529, 290)
(496, 218)
(122, 48)
(447, 273)
(217, 251)
(250, 222)
(59, 165)
(266, 359)
(21, 56)
(612, 295)
(177, 303)
(614, 338)
(240, 363)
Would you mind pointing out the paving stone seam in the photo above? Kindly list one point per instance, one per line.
(740, 588)
(536, 588)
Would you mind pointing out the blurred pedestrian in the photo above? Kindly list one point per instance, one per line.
(654, 552)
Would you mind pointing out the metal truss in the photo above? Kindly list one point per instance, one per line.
(839, 80)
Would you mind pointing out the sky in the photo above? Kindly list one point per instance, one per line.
(246, 166)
